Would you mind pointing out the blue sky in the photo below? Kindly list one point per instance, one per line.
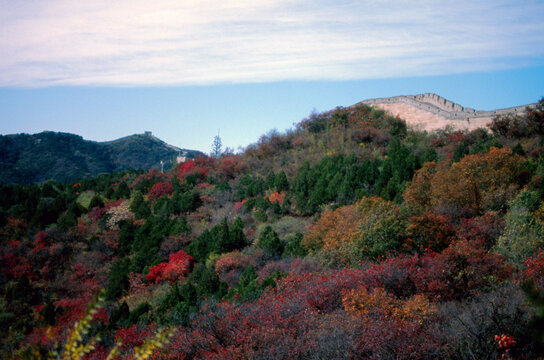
(184, 70)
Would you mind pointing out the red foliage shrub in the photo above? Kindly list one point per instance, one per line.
(303, 318)
(161, 189)
(455, 137)
(47, 257)
(96, 213)
(14, 261)
(534, 270)
(41, 243)
(321, 293)
(185, 169)
(391, 338)
(112, 204)
(229, 266)
(429, 232)
(200, 165)
(230, 165)
(289, 266)
(152, 176)
(82, 280)
(14, 267)
(131, 337)
(156, 272)
(238, 205)
(464, 269)
(484, 230)
(71, 311)
(178, 266)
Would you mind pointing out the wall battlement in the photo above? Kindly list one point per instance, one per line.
(431, 111)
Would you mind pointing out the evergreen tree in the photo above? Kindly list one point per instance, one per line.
(118, 279)
(119, 317)
(270, 180)
(270, 242)
(221, 243)
(179, 226)
(518, 149)
(96, 201)
(206, 282)
(189, 201)
(198, 248)
(280, 182)
(461, 150)
(161, 207)
(247, 287)
(122, 191)
(237, 239)
(303, 183)
(127, 231)
(294, 247)
(139, 207)
(174, 204)
(398, 168)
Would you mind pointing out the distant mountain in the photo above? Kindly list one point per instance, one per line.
(64, 157)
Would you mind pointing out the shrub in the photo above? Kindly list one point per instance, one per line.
(523, 234)
(382, 229)
(161, 189)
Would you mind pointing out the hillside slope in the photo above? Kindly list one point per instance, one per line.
(351, 236)
(63, 157)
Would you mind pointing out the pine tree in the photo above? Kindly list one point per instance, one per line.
(270, 180)
(237, 237)
(280, 182)
(139, 207)
(118, 279)
(270, 242)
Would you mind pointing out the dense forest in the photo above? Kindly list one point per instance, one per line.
(62, 157)
(350, 236)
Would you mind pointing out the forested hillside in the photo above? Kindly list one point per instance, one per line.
(62, 157)
(350, 236)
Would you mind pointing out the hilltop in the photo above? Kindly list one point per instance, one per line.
(64, 157)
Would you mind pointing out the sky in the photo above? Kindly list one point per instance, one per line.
(187, 70)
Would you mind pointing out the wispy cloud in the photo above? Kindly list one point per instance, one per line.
(139, 42)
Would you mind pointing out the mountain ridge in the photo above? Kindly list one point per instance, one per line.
(65, 157)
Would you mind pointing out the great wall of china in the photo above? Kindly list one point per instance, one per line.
(431, 112)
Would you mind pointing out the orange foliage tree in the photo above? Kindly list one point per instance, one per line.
(477, 183)
(380, 303)
(417, 194)
(333, 229)
(429, 231)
